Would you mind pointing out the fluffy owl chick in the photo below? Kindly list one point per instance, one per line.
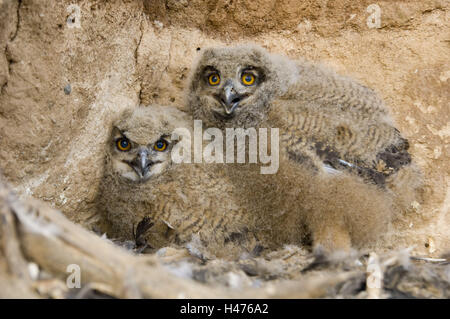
(175, 201)
(327, 121)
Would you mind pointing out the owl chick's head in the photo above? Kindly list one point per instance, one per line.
(140, 142)
(232, 86)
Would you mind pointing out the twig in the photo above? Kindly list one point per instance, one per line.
(432, 260)
(17, 265)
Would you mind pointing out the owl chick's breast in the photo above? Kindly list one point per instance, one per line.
(190, 199)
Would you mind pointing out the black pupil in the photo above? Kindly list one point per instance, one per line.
(248, 78)
(124, 143)
(214, 79)
(160, 144)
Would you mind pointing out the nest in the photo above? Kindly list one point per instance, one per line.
(42, 248)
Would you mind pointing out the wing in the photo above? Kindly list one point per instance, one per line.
(373, 151)
(336, 123)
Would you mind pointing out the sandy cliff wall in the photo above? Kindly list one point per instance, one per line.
(64, 73)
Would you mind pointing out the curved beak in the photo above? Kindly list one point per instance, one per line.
(229, 99)
(141, 164)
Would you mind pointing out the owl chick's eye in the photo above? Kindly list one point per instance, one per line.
(160, 145)
(123, 144)
(214, 79)
(248, 79)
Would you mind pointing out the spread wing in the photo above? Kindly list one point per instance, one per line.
(333, 122)
(373, 151)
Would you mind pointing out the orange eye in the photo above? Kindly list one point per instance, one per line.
(214, 79)
(123, 144)
(248, 78)
(160, 145)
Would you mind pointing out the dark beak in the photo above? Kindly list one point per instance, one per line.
(230, 99)
(141, 164)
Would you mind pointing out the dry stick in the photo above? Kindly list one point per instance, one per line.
(53, 242)
(374, 281)
(431, 260)
(17, 265)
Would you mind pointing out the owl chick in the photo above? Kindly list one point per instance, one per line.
(328, 123)
(144, 195)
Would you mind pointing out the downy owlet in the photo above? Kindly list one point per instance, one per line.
(177, 201)
(329, 124)
(217, 204)
(141, 182)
